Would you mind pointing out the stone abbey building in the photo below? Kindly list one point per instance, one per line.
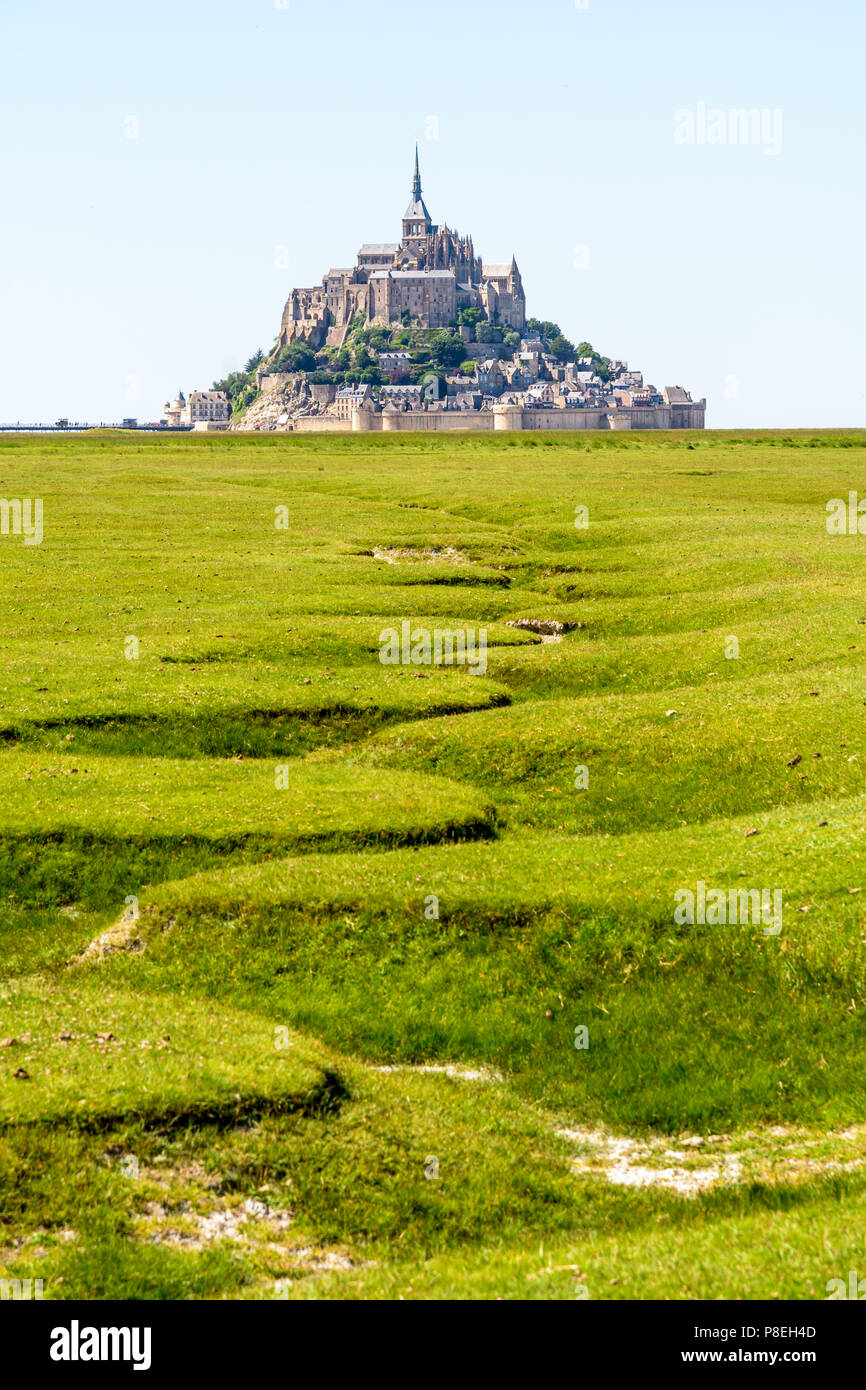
(511, 376)
(424, 279)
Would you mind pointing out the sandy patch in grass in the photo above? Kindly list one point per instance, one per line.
(180, 1224)
(697, 1163)
(393, 555)
(36, 1244)
(123, 936)
(252, 1225)
(187, 1212)
(548, 629)
(446, 1069)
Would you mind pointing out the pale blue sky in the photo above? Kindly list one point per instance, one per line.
(269, 135)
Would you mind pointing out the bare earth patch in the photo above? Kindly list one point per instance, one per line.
(123, 936)
(696, 1163)
(180, 1224)
(188, 1213)
(548, 629)
(36, 1245)
(393, 555)
(447, 1069)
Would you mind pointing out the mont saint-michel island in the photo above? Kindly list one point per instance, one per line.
(423, 334)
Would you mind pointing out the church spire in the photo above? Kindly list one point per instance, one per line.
(416, 182)
(416, 218)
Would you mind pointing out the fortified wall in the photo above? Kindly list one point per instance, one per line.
(687, 416)
(432, 281)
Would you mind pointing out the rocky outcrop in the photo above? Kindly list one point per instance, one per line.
(282, 398)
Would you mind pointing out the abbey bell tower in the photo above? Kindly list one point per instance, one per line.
(424, 280)
(417, 222)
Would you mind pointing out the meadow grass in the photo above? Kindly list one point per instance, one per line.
(297, 949)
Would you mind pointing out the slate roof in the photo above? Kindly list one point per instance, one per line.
(416, 211)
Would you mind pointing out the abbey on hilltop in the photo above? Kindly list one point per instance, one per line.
(422, 334)
(424, 279)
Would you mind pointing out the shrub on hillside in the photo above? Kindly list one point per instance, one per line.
(296, 356)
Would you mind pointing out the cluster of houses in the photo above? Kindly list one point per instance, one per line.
(529, 378)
